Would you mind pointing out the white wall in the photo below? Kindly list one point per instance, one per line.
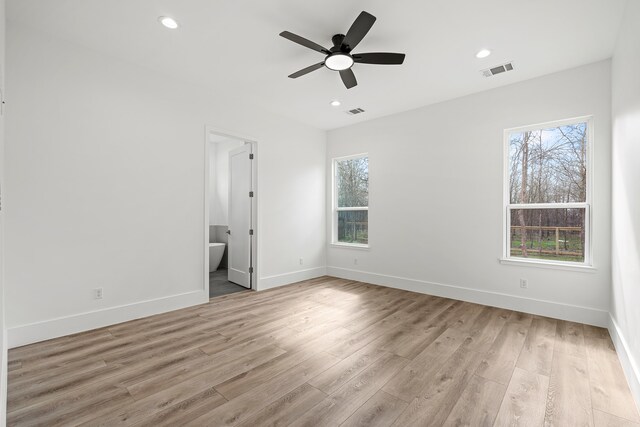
(105, 187)
(3, 326)
(436, 182)
(625, 239)
(219, 184)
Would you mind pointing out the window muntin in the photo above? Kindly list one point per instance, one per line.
(351, 200)
(547, 194)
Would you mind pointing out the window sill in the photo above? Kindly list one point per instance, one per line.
(350, 246)
(545, 264)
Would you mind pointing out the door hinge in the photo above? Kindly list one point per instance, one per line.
(250, 193)
(250, 270)
(250, 156)
(251, 232)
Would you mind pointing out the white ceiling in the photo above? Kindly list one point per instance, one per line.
(233, 47)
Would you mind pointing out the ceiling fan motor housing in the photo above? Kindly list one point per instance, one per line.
(337, 44)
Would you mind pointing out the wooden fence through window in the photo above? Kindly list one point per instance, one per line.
(557, 238)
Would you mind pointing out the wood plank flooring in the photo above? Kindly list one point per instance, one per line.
(325, 352)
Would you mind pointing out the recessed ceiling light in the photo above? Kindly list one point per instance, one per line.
(483, 53)
(335, 103)
(168, 22)
(338, 61)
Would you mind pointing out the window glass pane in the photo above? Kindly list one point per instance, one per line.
(352, 182)
(548, 165)
(551, 234)
(353, 227)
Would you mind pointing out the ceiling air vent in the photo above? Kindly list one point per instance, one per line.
(503, 68)
(354, 111)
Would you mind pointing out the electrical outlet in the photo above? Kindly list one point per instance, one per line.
(97, 293)
(301, 261)
(355, 261)
(524, 283)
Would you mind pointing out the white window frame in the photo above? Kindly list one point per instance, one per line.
(335, 209)
(587, 205)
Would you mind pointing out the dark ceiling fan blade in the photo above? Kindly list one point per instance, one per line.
(348, 78)
(358, 30)
(382, 58)
(304, 42)
(306, 70)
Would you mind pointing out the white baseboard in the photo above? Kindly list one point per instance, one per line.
(3, 380)
(628, 362)
(288, 278)
(591, 316)
(54, 328)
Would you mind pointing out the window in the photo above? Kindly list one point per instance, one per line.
(351, 200)
(547, 192)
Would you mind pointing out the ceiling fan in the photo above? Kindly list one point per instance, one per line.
(339, 57)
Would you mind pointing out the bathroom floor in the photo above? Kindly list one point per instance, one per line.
(219, 285)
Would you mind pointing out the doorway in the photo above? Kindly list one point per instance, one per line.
(230, 213)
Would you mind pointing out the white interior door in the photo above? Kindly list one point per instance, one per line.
(240, 229)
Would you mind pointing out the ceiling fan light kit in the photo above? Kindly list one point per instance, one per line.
(338, 61)
(339, 57)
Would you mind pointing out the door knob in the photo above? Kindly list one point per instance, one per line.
(228, 231)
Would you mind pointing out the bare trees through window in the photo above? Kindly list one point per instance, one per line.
(352, 200)
(548, 206)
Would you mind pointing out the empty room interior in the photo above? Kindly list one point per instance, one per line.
(363, 213)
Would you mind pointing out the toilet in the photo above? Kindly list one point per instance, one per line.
(216, 250)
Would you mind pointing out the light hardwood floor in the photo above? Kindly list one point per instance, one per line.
(325, 352)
